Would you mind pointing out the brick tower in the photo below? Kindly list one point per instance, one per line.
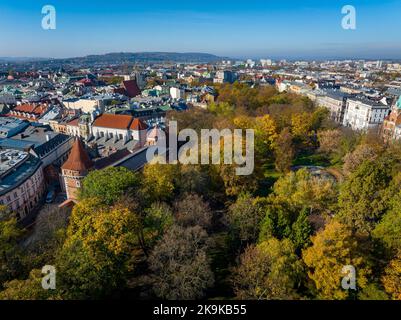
(75, 169)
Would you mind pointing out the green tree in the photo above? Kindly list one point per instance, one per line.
(194, 179)
(270, 270)
(301, 230)
(389, 228)
(108, 184)
(244, 217)
(10, 234)
(29, 289)
(99, 251)
(361, 199)
(277, 222)
(301, 189)
(158, 218)
(159, 181)
(222, 108)
(372, 292)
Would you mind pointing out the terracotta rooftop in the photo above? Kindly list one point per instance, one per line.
(31, 108)
(78, 160)
(117, 121)
(73, 122)
(138, 125)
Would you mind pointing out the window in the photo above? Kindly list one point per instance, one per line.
(78, 183)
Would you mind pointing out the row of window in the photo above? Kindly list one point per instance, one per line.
(27, 186)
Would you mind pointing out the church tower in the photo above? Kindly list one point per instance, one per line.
(75, 169)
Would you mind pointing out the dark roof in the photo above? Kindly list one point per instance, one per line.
(52, 144)
(111, 159)
(131, 88)
(18, 176)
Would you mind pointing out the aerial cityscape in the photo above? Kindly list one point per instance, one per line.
(185, 168)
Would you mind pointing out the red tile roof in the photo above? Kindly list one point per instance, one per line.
(138, 125)
(73, 122)
(78, 160)
(116, 121)
(31, 108)
(119, 121)
(25, 108)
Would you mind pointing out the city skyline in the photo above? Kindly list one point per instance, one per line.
(310, 30)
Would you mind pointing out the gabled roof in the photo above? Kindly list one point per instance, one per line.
(78, 160)
(132, 88)
(31, 108)
(115, 121)
(25, 108)
(138, 125)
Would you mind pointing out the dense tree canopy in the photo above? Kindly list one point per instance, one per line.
(179, 264)
(320, 197)
(331, 250)
(99, 250)
(270, 270)
(108, 184)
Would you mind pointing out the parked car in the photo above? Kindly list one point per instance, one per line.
(50, 196)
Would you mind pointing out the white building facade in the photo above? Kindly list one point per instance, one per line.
(362, 114)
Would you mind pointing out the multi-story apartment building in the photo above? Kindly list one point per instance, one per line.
(335, 102)
(364, 114)
(225, 76)
(21, 181)
(51, 147)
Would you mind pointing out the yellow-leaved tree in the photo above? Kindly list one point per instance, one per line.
(392, 277)
(99, 252)
(332, 249)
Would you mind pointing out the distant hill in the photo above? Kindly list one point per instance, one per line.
(21, 59)
(121, 57)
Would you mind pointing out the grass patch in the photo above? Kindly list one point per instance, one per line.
(311, 160)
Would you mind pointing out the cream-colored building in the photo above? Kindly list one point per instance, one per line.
(86, 105)
(22, 182)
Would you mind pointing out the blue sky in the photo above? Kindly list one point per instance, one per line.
(252, 28)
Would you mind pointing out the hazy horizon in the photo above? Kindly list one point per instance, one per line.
(256, 29)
